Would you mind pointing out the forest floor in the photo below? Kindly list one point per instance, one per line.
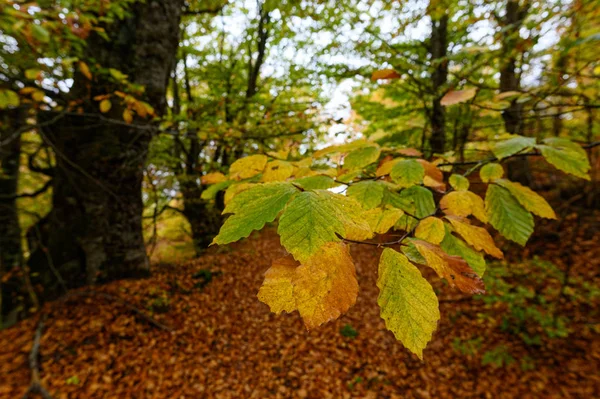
(226, 344)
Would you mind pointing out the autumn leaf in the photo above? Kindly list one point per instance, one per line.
(408, 172)
(277, 171)
(457, 96)
(455, 246)
(385, 74)
(434, 177)
(252, 208)
(247, 167)
(318, 182)
(528, 198)
(325, 285)
(127, 116)
(566, 156)
(105, 106)
(361, 157)
(459, 182)
(381, 220)
(454, 269)
(431, 229)
(214, 177)
(322, 288)
(277, 290)
(385, 167)
(368, 193)
(407, 302)
(491, 172)
(85, 70)
(478, 237)
(463, 204)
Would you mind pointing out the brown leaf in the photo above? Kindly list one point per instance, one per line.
(453, 268)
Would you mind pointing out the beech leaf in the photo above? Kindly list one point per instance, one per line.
(407, 302)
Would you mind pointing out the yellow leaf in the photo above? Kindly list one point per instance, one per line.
(325, 286)
(386, 167)
(431, 229)
(277, 290)
(105, 106)
(491, 172)
(458, 96)
(247, 167)
(381, 220)
(38, 95)
(454, 269)
(463, 204)
(277, 171)
(85, 70)
(385, 74)
(212, 178)
(477, 237)
(127, 116)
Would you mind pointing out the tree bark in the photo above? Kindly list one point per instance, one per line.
(518, 168)
(94, 231)
(11, 254)
(439, 49)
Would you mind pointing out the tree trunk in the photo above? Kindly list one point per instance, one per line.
(11, 254)
(439, 49)
(518, 168)
(94, 231)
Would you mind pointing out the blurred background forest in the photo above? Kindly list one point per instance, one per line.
(120, 119)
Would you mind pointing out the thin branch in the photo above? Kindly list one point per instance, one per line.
(36, 386)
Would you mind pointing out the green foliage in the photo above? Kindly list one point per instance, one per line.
(498, 357)
(348, 331)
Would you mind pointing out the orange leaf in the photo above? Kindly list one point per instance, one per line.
(454, 269)
(385, 74)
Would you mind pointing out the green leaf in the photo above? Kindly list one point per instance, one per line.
(361, 157)
(506, 148)
(8, 98)
(308, 222)
(40, 33)
(491, 172)
(253, 208)
(319, 182)
(529, 199)
(368, 193)
(566, 156)
(408, 172)
(408, 304)
(211, 192)
(457, 247)
(423, 200)
(459, 182)
(507, 215)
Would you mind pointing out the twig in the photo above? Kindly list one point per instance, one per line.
(36, 385)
